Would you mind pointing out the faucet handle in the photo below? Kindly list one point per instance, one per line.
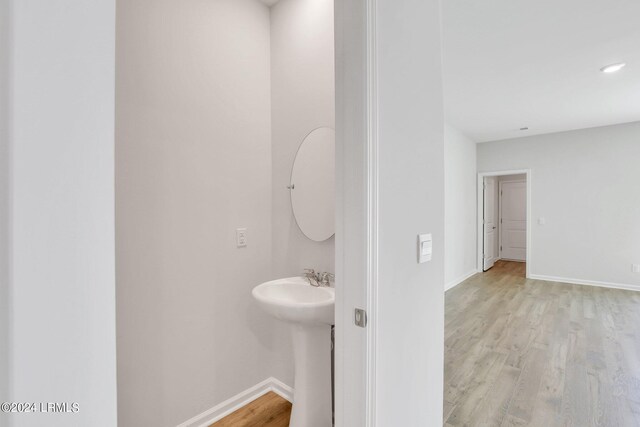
(326, 278)
(313, 277)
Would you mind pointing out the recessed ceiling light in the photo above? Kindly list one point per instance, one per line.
(613, 68)
(524, 128)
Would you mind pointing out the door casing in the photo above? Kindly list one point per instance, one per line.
(480, 207)
(356, 211)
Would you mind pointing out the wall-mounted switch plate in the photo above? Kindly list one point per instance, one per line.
(635, 268)
(241, 237)
(542, 221)
(425, 247)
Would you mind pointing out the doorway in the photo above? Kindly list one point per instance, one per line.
(504, 226)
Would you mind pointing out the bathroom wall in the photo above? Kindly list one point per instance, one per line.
(193, 163)
(61, 298)
(302, 99)
(460, 206)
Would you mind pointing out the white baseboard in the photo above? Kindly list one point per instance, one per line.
(225, 408)
(585, 282)
(281, 389)
(456, 282)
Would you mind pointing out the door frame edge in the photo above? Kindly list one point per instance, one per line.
(372, 211)
(479, 215)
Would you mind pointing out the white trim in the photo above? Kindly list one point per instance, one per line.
(372, 213)
(480, 231)
(236, 402)
(572, 281)
(456, 282)
(281, 389)
(356, 203)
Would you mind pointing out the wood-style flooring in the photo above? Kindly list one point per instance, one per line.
(269, 410)
(524, 352)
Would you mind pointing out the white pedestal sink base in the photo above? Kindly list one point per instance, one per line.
(310, 312)
(312, 389)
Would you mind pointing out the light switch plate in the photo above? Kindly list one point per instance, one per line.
(425, 247)
(241, 237)
(635, 268)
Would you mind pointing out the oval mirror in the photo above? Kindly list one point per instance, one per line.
(313, 184)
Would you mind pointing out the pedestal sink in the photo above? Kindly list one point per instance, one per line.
(310, 311)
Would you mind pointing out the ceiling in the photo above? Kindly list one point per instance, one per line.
(510, 64)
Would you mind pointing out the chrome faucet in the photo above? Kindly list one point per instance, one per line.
(327, 278)
(318, 279)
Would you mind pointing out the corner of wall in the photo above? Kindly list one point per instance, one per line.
(460, 205)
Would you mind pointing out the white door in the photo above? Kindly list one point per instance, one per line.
(489, 220)
(513, 220)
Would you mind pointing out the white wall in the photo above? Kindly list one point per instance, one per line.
(5, 208)
(411, 196)
(302, 99)
(584, 183)
(460, 186)
(193, 164)
(62, 340)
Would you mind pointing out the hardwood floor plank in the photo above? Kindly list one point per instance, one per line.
(524, 352)
(495, 404)
(526, 389)
(269, 410)
(485, 373)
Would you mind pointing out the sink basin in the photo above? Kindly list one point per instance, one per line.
(310, 312)
(295, 300)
